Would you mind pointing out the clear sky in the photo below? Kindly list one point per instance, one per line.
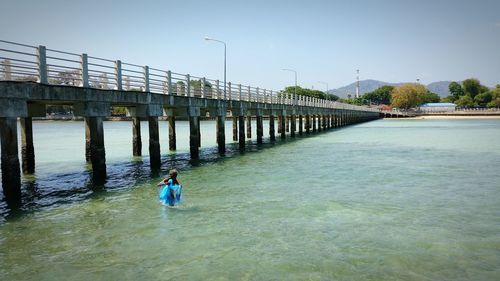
(393, 41)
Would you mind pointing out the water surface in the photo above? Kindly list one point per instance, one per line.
(385, 200)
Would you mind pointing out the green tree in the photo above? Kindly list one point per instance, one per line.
(465, 102)
(449, 99)
(495, 97)
(473, 87)
(429, 97)
(483, 99)
(310, 93)
(456, 90)
(408, 95)
(381, 95)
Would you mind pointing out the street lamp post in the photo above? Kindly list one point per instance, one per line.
(287, 69)
(212, 39)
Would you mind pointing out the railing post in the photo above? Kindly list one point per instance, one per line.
(118, 75)
(239, 90)
(203, 82)
(249, 93)
(7, 69)
(188, 86)
(229, 92)
(84, 68)
(146, 78)
(257, 93)
(169, 83)
(42, 65)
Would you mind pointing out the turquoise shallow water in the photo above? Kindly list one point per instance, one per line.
(385, 200)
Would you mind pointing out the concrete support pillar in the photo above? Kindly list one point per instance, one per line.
(95, 132)
(249, 126)
(260, 129)
(279, 124)
(283, 130)
(293, 127)
(301, 127)
(319, 122)
(221, 133)
(308, 124)
(241, 124)
(272, 135)
(87, 146)
(154, 143)
(27, 148)
(199, 132)
(136, 137)
(194, 136)
(287, 123)
(172, 142)
(11, 172)
(235, 128)
(314, 123)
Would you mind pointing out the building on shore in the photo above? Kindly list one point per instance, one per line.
(437, 107)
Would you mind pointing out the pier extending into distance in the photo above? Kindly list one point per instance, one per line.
(33, 77)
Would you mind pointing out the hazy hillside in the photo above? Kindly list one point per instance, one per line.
(440, 88)
(365, 86)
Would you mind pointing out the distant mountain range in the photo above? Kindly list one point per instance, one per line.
(365, 86)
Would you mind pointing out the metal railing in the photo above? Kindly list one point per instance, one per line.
(21, 62)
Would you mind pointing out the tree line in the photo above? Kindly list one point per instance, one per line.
(470, 93)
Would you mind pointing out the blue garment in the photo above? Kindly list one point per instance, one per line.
(171, 193)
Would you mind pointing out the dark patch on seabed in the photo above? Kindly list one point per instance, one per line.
(55, 189)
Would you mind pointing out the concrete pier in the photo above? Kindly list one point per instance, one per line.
(178, 99)
(154, 143)
(199, 131)
(241, 127)
(11, 172)
(308, 124)
(27, 148)
(172, 138)
(221, 133)
(94, 131)
(272, 135)
(301, 127)
(87, 146)
(249, 126)
(194, 137)
(235, 128)
(293, 127)
(280, 124)
(260, 129)
(283, 121)
(136, 137)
